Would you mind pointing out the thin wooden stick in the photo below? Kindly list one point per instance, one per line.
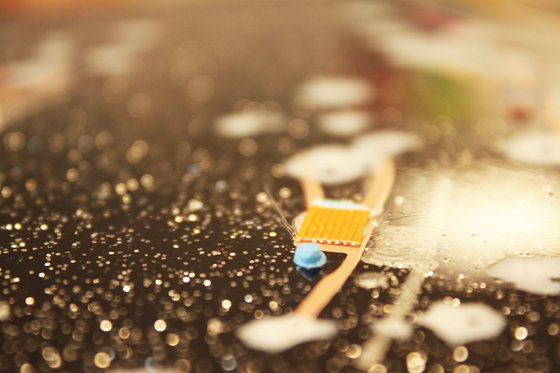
(331, 284)
(381, 186)
(312, 191)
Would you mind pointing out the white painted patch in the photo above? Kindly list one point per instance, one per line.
(122, 54)
(535, 148)
(463, 324)
(51, 61)
(249, 123)
(334, 92)
(276, 334)
(37, 81)
(372, 280)
(446, 51)
(394, 328)
(346, 123)
(328, 164)
(110, 59)
(336, 164)
(539, 275)
(380, 145)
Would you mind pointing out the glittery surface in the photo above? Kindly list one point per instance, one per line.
(132, 236)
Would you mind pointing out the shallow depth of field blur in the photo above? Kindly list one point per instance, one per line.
(150, 163)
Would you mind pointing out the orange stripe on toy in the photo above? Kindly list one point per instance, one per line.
(334, 226)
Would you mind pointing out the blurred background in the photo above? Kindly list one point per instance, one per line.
(143, 143)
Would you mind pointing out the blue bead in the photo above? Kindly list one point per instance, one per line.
(309, 255)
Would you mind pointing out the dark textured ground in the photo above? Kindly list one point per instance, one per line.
(91, 232)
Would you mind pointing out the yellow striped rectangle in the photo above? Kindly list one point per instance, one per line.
(333, 226)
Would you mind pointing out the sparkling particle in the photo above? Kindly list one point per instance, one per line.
(285, 193)
(226, 304)
(27, 368)
(354, 351)
(195, 205)
(215, 327)
(298, 128)
(248, 147)
(415, 362)
(462, 369)
(172, 339)
(520, 333)
(124, 333)
(553, 329)
(14, 141)
(262, 197)
(398, 200)
(4, 311)
(138, 150)
(436, 368)
(200, 89)
(102, 360)
(139, 105)
(147, 181)
(460, 354)
(160, 325)
(52, 357)
(72, 175)
(228, 363)
(377, 368)
(106, 325)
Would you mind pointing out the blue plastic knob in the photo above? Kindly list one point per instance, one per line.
(309, 255)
